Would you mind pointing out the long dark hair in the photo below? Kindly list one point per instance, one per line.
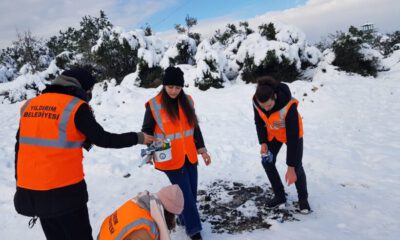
(169, 219)
(172, 107)
(266, 87)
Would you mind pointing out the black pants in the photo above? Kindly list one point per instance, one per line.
(72, 226)
(273, 175)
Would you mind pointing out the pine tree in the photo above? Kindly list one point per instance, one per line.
(246, 28)
(347, 48)
(268, 30)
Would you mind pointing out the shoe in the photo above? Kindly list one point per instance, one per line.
(275, 201)
(304, 207)
(197, 236)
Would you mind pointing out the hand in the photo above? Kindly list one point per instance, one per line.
(206, 157)
(150, 161)
(290, 176)
(148, 138)
(264, 148)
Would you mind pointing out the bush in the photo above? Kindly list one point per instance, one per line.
(281, 70)
(149, 77)
(186, 47)
(348, 54)
(80, 41)
(268, 31)
(211, 78)
(225, 36)
(246, 28)
(115, 59)
(65, 60)
(26, 51)
(391, 43)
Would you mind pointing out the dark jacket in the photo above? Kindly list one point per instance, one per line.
(60, 201)
(149, 124)
(291, 122)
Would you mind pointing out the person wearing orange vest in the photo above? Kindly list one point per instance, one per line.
(53, 129)
(171, 115)
(278, 121)
(148, 216)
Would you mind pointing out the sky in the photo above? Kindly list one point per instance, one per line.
(317, 18)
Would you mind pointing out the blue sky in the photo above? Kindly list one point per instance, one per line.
(208, 9)
(316, 18)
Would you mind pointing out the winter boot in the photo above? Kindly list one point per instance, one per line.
(275, 201)
(304, 206)
(197, 236)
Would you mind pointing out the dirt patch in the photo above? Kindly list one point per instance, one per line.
(233, 207)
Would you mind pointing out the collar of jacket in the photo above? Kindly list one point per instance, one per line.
(151, 203)
(69, 90)
(144, 201)
(66, 81)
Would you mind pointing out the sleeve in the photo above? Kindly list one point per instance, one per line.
(16, 153)
(149, 123)
(199, 141)
(292, 135)
(87, 124)
(260, 127)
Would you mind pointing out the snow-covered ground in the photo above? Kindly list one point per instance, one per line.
(351, 156)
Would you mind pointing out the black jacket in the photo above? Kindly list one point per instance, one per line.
(149, 124)
(291, 122)
(60, 201)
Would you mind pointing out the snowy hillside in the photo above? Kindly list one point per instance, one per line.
(351, 153)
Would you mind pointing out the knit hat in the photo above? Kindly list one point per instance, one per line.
(82, 75)
(171, 198)
(173, 76)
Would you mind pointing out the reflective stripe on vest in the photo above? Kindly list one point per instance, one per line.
(157, 112)
(25, 106)
(178, 135)
(137, 222)
(61, 142)
(276, 123)
(179, 131)
(127, 219)
(282, 113)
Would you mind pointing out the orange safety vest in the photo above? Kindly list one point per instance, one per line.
(179, 132)
(275, 123)
(50, 147)
(128, 218)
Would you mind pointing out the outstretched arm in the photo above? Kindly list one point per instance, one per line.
(87, 124)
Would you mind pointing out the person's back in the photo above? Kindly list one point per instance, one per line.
(49, 174)
(147, 216)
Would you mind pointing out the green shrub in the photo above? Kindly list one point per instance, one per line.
(282, 70)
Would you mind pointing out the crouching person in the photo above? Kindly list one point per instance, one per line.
(147, 216)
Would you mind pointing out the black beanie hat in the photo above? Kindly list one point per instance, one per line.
(84, 77)
(173, 76)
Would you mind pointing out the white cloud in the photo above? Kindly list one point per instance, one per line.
(318, 18)
(45, 18)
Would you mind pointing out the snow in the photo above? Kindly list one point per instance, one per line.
(351, 143)
(351, 135)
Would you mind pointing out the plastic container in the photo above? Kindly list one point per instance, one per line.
(163, 151)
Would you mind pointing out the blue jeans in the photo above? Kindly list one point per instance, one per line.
(186, 178)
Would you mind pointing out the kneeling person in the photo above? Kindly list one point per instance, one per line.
(145, 217)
